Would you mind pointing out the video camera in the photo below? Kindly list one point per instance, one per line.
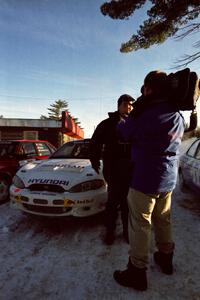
(184, 91)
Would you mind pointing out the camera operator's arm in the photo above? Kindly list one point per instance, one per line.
(126, 129)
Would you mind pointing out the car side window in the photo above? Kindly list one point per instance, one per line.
(81, 150)
(51, 147)
(43, 149)
(29, 149)
(7, 150)
(193, 148)
(19, 150)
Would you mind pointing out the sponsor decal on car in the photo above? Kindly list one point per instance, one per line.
(68, 202)
(63, 166)
(86, 201)
(48, 181)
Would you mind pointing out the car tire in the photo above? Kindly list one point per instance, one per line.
(4, 190)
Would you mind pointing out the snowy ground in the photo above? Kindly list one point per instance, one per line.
(66, 259)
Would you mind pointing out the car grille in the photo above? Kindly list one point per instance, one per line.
(40, 201)
(58, 202)
(46, 187)
(46, 209)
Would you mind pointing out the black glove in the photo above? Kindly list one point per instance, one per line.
(96, 166)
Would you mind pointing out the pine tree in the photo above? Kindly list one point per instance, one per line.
(76, 121)
(55, 110)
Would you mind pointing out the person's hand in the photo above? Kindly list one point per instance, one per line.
(96, 166)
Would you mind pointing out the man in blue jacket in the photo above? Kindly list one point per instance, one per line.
(155, 129)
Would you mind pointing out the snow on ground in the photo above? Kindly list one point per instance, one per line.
(65, 258)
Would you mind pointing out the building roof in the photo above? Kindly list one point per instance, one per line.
(35, 123)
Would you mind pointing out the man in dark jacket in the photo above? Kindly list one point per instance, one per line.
(155, 129)
(116, 165)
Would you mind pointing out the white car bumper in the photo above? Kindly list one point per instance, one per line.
(58, 204)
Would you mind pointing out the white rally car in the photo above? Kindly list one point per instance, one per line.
(189, 167)
(63, 185)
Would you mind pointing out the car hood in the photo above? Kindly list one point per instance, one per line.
(63, 172)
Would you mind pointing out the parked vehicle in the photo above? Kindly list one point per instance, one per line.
(189, 167)
(12, 152)
(63, 185)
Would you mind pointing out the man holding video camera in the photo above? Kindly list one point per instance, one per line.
(155, 129)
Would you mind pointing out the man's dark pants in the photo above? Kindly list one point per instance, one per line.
(117, 175)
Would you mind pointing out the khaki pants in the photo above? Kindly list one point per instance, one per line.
(144, 210)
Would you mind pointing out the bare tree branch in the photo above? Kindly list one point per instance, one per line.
(192, 29)
(197, 44)
(186, 60)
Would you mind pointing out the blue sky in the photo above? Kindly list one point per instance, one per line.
(68, 50)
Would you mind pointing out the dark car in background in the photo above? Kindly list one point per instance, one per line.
(12, 152)
(189, 167)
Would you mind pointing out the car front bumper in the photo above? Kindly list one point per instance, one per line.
(58, 204)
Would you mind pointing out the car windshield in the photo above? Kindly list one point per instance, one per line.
(73, 150)
(7, 149)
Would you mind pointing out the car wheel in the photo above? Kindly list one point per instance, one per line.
(4, 189)
(183, 186)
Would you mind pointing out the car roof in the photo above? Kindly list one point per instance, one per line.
(24, 141)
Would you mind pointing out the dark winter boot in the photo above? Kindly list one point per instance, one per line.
(132, 277)
(164, 261)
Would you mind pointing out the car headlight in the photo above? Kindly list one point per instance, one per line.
(87, 186)
(18, 182)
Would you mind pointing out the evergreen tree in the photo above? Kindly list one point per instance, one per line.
(76, 121)
(55, 110)
(42, 117)
(165, 19)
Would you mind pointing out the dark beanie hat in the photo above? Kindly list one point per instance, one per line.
(125, 98)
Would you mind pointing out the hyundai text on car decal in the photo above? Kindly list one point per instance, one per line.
(50, 181)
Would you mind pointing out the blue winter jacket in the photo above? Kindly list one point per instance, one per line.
(155, 135)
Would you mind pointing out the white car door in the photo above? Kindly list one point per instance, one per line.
(196, 168)
(189, 163)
